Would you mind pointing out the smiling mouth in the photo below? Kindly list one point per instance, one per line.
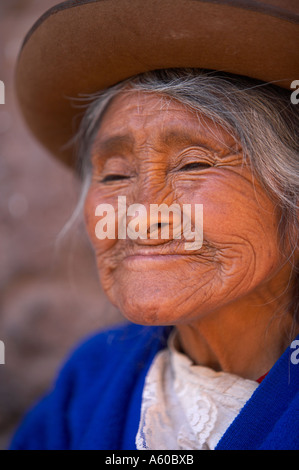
(145, 262)
(166, 250)
(143, 258)
(153, 255)
(156, 256)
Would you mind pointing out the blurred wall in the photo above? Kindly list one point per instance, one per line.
(50, 297)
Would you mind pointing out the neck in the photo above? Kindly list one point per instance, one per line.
(245, 337)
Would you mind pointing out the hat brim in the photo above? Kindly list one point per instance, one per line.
(83, 47)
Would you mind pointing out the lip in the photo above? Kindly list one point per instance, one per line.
(153, 252)
(151, 256)
(146, 261)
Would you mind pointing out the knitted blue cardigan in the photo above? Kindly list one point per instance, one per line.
(96, 401)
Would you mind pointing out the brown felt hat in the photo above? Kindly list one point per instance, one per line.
(80, 47)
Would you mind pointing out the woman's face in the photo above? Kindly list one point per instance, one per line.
(153, 150)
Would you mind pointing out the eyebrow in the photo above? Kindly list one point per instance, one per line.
(181, 138)
(113, 144)
(121, 142)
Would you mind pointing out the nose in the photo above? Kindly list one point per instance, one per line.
(153, 224)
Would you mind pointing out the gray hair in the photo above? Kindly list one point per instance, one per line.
(259, 115)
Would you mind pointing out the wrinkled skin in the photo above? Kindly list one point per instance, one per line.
(222, 297)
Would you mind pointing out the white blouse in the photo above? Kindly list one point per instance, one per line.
(187, 406)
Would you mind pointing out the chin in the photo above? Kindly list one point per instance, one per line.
(145, 309)
(154, 299)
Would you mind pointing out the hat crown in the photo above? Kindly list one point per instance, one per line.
(83, 46)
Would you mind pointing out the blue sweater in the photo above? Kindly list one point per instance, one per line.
(96, 401)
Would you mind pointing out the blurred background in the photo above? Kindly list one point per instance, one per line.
(50, 297)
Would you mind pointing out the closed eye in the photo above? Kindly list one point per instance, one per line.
(195, 166)
(115, 177)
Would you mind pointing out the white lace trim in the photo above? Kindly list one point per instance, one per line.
(186, 406)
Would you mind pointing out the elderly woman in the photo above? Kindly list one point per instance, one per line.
(180, 112)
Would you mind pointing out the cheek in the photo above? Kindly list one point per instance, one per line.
(237, 215)
(93, 199)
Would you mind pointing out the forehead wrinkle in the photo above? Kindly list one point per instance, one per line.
(113, 144)
(157, 133)
(181, 138)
